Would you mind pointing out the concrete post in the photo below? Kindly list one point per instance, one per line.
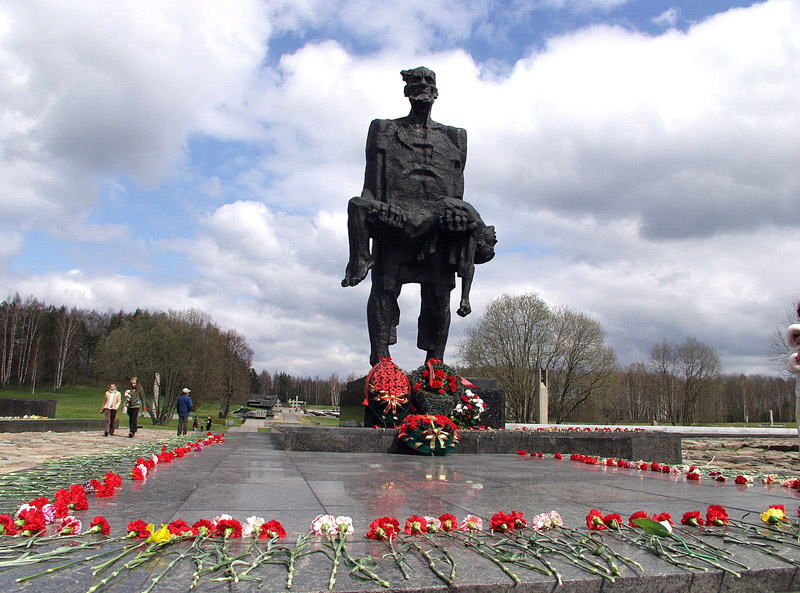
(541, 396)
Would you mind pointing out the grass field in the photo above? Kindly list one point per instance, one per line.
(85, 401)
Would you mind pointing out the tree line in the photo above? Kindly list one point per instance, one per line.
(679, 383)
(45, 345)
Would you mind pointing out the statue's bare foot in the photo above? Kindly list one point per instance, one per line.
(356, 271)
(465, 308)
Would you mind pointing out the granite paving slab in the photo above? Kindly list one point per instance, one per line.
(248, 476)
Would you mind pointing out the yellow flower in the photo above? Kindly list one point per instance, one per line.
(773, 516)
(160, 536)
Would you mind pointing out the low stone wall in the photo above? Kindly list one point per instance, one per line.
(649, 446)
(65, 425)
(23, 406)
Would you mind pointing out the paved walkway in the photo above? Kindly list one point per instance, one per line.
(247, 476)
(24, 450)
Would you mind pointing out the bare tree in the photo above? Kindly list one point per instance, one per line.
(683, 374)
(67, 327)
(335, 387)
(9, 327)
(509, 343)
(580, 363)
(238, 357)
(32, 314)
(518, 335)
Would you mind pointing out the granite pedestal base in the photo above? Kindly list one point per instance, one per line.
(665, 448)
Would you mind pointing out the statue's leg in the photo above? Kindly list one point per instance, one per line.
(383, 315)
(360, 260)
(434, 320)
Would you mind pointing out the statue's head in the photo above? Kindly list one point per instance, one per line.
(420, 84)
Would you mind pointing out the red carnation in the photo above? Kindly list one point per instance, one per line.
(716, 515)
(594, 520)
(449, 522)
(204, 527)
(613, 521)
(383, 528)
(271, 529)
(693, 518)
(416, 525)
(138, 529)
(663, 517)
(39, 502)
(179, 527)
(31, 522)
(637, 515)
(99, 525)
(7, 525)
(105, 490)
(501, 522)
(228, 528)
(518, 520)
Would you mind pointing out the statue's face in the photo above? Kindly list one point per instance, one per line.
(421, 85)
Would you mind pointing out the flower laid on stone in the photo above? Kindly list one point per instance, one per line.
(69, 526)
(693, 518)
(775, 515)
(717, 515)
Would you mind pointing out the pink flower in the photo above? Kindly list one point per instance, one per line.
(471, 523)
(69, 526)
(324, 525)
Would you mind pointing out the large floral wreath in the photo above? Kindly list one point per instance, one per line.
(429, 434)
(435, 388)
(387, 392)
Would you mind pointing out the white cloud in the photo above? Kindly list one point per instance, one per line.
(668, 18)
(649, 181)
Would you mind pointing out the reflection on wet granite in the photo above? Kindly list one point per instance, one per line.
(246, 476)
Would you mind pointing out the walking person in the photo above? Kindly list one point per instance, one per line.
(109, 409)
(135, 400)
(184, 406)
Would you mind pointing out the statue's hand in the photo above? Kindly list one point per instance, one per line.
(465, 308)
(456, 216)
(389, 214)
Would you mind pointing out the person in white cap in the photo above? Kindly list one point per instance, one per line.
(184, 406)
(793, 340)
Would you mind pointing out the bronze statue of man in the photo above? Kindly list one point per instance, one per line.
(412, 208)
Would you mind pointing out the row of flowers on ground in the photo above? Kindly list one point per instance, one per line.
(33, 517)
(690, 472)
(510, 542)
(578, 429)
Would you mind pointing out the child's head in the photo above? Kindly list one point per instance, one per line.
(487, 239)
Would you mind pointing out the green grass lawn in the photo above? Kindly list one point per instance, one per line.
(85, 401)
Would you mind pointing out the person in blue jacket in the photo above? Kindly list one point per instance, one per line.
(185, 406)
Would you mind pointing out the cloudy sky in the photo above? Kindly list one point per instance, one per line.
(640, 160)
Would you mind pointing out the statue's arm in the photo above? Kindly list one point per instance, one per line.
(375, 159)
